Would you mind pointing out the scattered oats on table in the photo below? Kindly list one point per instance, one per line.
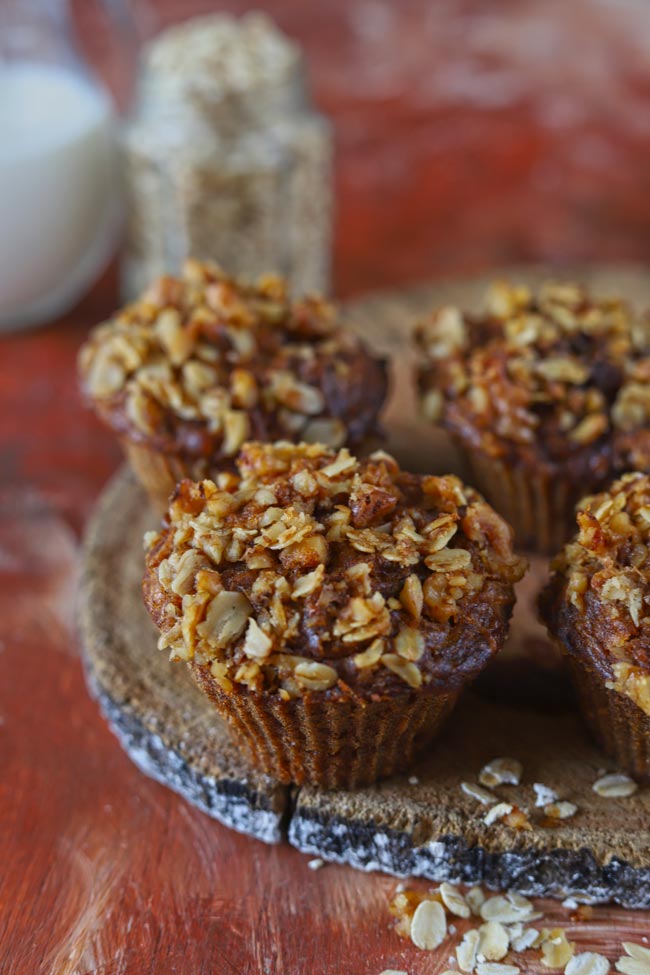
(587, 963)
(454, 900)
(637, 961)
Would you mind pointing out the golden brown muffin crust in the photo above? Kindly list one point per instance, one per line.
(597, 603)
(203, 362)
(312, 570)
(557, 379)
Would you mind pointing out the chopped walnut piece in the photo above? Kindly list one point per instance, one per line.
(493, 941)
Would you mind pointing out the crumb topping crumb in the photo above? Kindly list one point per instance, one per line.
(214, 361)
(311, 569)
(546, 373)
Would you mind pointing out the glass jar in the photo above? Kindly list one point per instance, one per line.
(225, 157)
(59, 201)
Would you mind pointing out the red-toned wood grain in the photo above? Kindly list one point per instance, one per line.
(468, 135)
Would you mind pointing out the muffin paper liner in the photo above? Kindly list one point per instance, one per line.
(539, 506)
(158, 473)
(324, 742)
(619, 726)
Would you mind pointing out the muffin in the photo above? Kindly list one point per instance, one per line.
(596, 606)
(546, 395)
(203, 362)
(331, 608)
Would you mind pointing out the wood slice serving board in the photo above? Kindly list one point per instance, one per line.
(420, 824)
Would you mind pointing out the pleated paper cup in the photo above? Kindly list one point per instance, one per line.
(619, 725)
(325, 741)
(538, 505)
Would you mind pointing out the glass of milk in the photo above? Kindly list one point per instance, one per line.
(59, 196)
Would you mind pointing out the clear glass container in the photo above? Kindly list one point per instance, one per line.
(59, 190)
(225, 158)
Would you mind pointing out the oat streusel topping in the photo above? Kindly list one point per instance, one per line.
(203, 362)
(542, 375)
(600, 589)
(313, 570)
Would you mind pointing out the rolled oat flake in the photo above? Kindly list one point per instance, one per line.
(225, 158)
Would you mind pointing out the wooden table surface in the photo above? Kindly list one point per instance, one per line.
(456, 153)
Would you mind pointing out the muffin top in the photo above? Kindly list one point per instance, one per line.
(547, 378)
(598, 600)
(310, 570)
(203, 362)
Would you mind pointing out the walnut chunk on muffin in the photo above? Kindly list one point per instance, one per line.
(203, 362)
(546, 395)
(332, 608)
(597, 607)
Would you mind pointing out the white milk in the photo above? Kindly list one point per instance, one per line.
(58, 199)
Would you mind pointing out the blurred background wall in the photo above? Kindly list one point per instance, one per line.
(469, 133)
